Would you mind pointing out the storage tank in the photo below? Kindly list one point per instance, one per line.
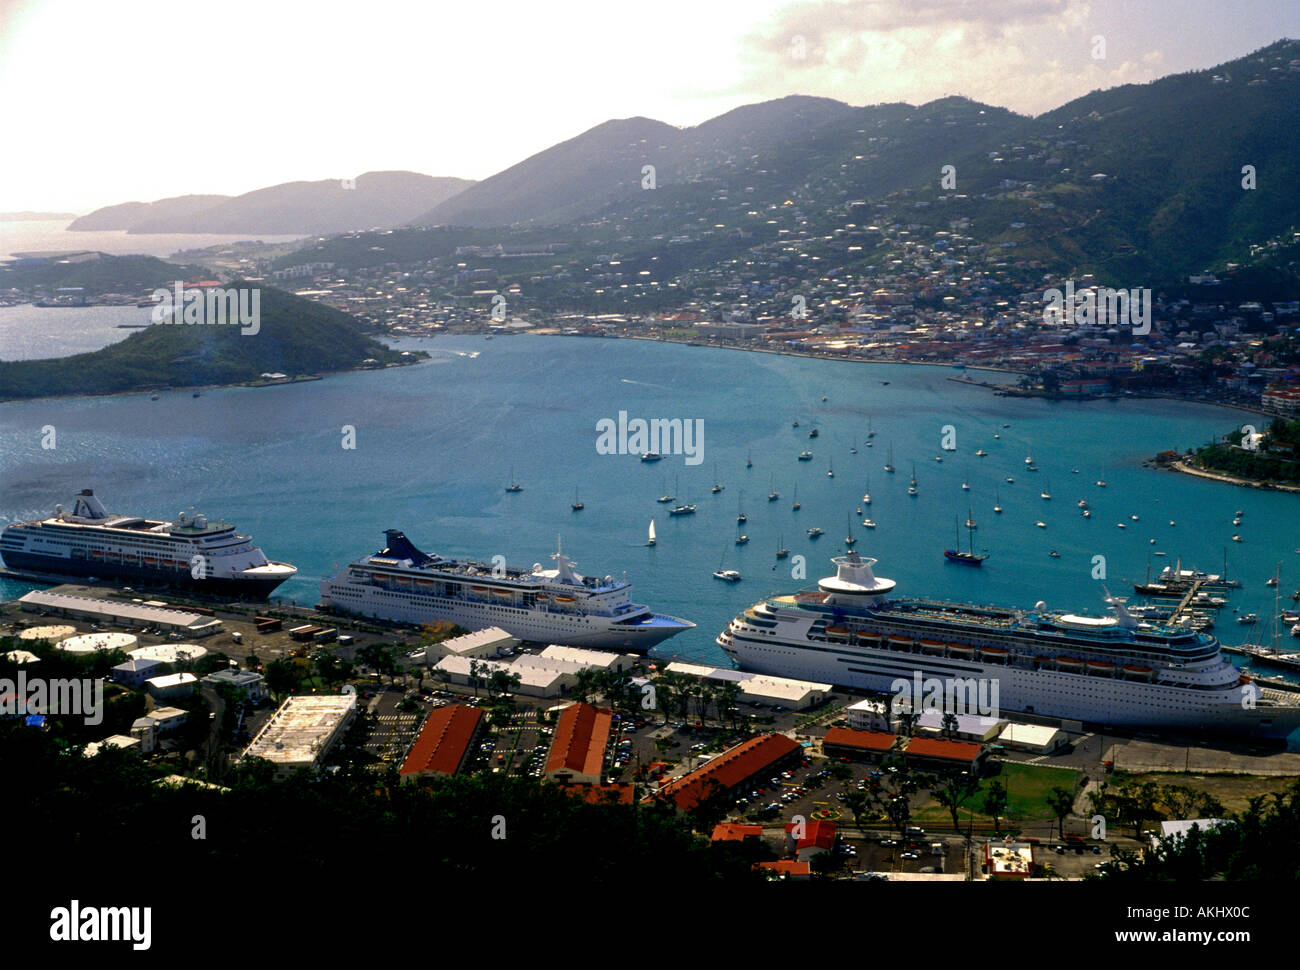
(170, 653)
(55, 633)
(92, 642)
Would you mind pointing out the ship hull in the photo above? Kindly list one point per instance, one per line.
(178, 579)
(1097, 700)
(573, 629)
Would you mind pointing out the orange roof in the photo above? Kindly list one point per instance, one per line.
(603, 794)
(852, 738)
(735, 832)
(443, 740)
(947, 750)
(788, 866)
(581, 735)
(729, 769)
(816, 833)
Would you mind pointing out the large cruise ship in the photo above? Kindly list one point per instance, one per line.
(193, 552)
(543, 605)
(1111, 671)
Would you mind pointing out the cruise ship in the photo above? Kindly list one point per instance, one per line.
(539, 605)
(1110, 671)
(193, 552)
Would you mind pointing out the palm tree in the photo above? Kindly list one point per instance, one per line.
(1061, 802)
(995, 802)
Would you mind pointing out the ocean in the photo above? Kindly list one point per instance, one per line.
(45, 235)
(437, 443)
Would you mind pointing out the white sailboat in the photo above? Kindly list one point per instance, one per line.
(651, 541)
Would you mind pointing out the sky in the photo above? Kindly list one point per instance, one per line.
(109, 101)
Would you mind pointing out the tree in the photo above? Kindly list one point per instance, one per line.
(948, 725)
(281, 678)
(954, 792)
(995, 801)
(1061, 802)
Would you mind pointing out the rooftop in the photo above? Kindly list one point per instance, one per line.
(302, 729)
(443, 741)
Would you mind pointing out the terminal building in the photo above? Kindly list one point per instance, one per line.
(581, 739)
(303, 730)
(490, 642)
(599, 659)
(97, 609)
(734, 768)
(760, 688)
(444, 743)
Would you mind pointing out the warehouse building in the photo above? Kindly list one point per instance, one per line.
(974, 728)
(99, 610)
(732, 769)
(600, 659)
(303, 730)
(760, 688)
(538, 676)
(490, 642)
(1037, 738)
(444, 743)
(577, 753)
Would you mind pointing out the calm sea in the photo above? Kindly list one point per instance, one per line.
(45, 235)
(437, 443)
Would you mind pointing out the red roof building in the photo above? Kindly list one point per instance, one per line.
(853, 743)
(818, 836)
(788, 868)
(731, 769)
(735, 832)
(444, 742)
(603, 794)
(937, 753)
(578, 751)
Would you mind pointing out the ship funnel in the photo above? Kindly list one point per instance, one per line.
(399, 547)
(853, 577)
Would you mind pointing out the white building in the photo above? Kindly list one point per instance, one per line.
(116, 612)
(490, 642)
(600, 659)
(970, 727)
(170, 685)
(135, 671)
(760, 688)
(246, 680)
(167, 719)
(113, 741)
(869, 715)
(1038, 738)
(538, 676)
(303, 730)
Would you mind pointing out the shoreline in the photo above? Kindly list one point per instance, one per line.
(1184, 468)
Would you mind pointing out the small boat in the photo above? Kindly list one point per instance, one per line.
(153, 397)
(965, 486)
(981, 453)
(870, 432)
(741, 517)
(795, 424)
(651, 456)
(813, 433)
(796, 505)
(717, 486)
(823, 397)
(1054, 554)
(1087, 513)
(938, 458)
(577, 505)
(1239, 513)
(1121, 525)
(911, 488)
(749, 458)
(1272, 581)
(514, 486)
(1046, 493)
(805, 456)
(1009, 480)
(1249, 619)
(1236, 538)
(889, 465)
(726, 575)
(1041, 525)
(997, 436)
(997, 500)
(682, 510)
(850, 540)
(741, 540)
(868, 523)
(781, 552)
(1082, 503)
(195, 394)
(814, 532)
(651, 540)
(830, 471)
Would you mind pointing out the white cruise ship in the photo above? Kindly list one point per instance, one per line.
(542, 605)
(193, 552)
(1109, 671)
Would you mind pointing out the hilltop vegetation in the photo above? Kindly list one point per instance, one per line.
(295, 337)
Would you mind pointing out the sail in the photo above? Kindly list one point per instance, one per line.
(652, 530)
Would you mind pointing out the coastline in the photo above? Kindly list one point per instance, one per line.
(1181, 466)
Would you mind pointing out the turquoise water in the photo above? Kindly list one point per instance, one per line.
(437, 443)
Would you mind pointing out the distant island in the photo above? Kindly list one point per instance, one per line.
(293, 339)
(35, 216)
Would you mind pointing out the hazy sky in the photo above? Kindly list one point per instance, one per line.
(109, 101)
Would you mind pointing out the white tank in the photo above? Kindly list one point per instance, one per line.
(169, 653)
(92, 642)
(55, 633)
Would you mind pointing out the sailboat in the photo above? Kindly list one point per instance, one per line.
(997, 500)
(968, 558)
(781, 551)
(970, 519)
(850, 540)
(726, 575)
(866, 496)
(773, 495)
(749, 460)
(684, 508)
(651, 540)
(741, 517)
(717, 486)
(870, 432)
(1046, 493)
(577, 505)
(797, 504)
(889, 465)
(830, 472)
(1101, 477)
(514, 486)
(911, 489)
(666, 497)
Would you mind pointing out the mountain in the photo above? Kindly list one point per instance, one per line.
(128, 214)
(97, 274)
(376, 200)
(294, 336)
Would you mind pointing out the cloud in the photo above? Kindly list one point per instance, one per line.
(1028, 55)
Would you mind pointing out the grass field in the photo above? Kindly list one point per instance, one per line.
(1027, 788)
(1233, 791)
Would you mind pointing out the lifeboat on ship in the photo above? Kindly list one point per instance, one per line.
(900, 643)
(932, 646)
(478, 589)
(867, 639)
(1069, 663)
(1138, 672)
(961, 650)
(1101, 667)
(997, 655)
(564, 599)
